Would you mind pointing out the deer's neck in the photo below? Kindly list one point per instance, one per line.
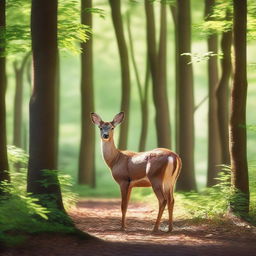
(109, 151)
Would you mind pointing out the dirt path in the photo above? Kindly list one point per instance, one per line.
(101, 218)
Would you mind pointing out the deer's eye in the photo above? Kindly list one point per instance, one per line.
(112, 128)
(100, 128)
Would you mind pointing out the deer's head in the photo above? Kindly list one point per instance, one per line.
(107, 128)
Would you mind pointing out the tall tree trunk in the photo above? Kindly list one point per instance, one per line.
(18, 102)
(3, 149)
(144, 109)
(42, 132)
(237, 126)
(87, 144)
(124, 60)
(186, 181)
(223, 93)
(213, 78)
(143, 92)
(57, 108)
(173, 9)
(157, 63)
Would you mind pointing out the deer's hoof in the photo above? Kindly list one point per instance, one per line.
(123, 229)
(156, 232)
(170, 229)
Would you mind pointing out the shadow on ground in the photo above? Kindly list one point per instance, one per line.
(101, 218)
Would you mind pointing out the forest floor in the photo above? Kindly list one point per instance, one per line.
(101, 218)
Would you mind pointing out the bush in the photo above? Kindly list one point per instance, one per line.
(214, 202)
(21, 213)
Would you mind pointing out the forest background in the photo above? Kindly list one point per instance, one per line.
(107, 86)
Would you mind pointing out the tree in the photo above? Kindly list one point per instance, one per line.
(157, 64)
(237, 130)
(4, 176)
(143, 91)
(213, 78)
(87, 144)
(18, 101)
(42, 132)
(223, 92)
(57, 107)
(125, 70)
(186, 180)
(173, 9)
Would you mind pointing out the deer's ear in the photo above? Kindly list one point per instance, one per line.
(118, 119)
(96, 119)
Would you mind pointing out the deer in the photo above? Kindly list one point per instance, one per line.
(158, 168)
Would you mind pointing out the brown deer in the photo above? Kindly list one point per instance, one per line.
(158, 168)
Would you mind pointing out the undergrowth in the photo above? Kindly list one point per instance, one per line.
(21, 213)
(209, 204)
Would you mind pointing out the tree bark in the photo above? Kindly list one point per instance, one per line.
(144, 109)
(237, 126)
(223, 93)
(57, 107)
(186, 181)
(42, 109)
(87, 144)
(4, 167)
(125, 70)
(213, 78)
(143, 92)
(173, 9)
(157, 63)
(18, 102)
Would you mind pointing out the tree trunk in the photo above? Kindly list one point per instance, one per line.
(42, 132)
(57, 108)
(124, 60)
(173, 9)
(213, 78)
(4, 176)
(186, 181)
(87, 144)
(144, 109)
(143, 94)
(18, 102)
(157, 63)
(237, 126)
(223, 93)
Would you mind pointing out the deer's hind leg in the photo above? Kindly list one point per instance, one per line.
(169, 181)
(170, 204)
(155, 175)
(158, 190)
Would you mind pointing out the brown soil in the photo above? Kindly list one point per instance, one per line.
(101, 218)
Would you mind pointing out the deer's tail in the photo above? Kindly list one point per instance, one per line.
(177, 165)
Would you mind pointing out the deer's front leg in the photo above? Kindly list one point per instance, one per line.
(125, 193)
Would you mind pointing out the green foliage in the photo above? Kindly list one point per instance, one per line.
(198, 57)
(211, 202)
(22, 213)
(220, 20)
(215, 202)
(17, 38)
(251, 20)
(98, 11)
(66, 182)
(70, 30)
